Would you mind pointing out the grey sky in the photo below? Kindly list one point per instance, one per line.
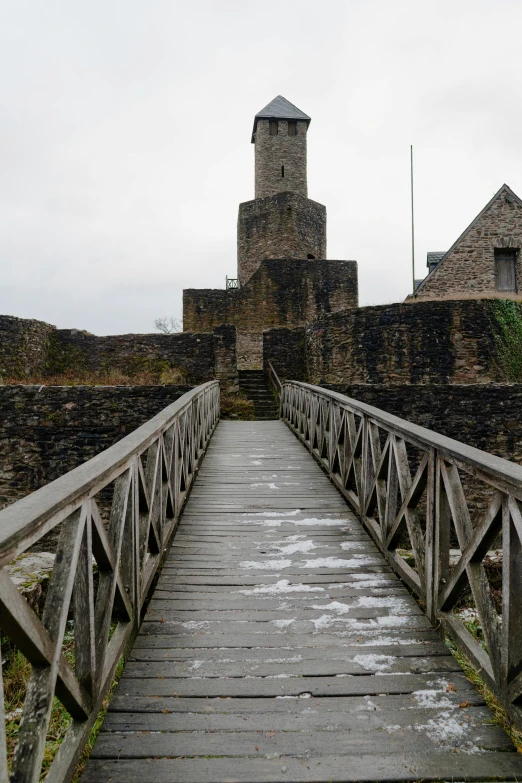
(125, 139)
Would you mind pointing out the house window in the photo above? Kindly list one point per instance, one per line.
(273, 127)
(505, 269)
(292, 127)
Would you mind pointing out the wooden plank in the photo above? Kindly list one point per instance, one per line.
(350, 713)
(365, 768)
(367, 685)
(282, 743)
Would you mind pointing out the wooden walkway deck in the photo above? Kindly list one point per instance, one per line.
(279, 646)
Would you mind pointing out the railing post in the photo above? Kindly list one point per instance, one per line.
(430, 587)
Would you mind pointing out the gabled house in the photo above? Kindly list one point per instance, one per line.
(485, 260)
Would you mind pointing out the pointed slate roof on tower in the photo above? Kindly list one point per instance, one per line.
(279, 109)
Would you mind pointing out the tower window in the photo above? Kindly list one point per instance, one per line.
(282, 171)
(272, 125)
(292, 127)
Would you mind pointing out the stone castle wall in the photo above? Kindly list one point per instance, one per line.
(282, 293)
(274, 152)
(191, 356)
(34, 348)
(45, 431)
(469, 268)
(24, 346)
(285, 225)
(426, 342)
(285, 349)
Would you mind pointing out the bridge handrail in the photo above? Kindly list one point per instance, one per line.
(119, 509)
(274, 378)
(407, 482)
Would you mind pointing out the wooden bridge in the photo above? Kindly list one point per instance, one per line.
(279, 643)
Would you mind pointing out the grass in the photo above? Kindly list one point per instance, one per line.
(16, 674)
(499, 714)
(144, 377)
(98, 724)
(238, 407)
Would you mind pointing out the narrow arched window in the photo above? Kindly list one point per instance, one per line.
(273, 127)
(292, 127)
(282, 171)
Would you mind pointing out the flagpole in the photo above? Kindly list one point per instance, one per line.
(412, 223)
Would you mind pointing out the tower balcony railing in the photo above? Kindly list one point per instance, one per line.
(232, 283)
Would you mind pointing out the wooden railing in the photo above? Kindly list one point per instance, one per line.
(435, 508)
(274, 379)
(111, 519)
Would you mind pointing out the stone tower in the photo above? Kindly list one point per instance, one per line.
(280, 137)
(281, 222)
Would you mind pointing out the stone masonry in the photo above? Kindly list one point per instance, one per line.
(420, 343)
(468, 268)
(281, 222)
(285, 225)
(284, 278)
(280, 159)
(282, 293)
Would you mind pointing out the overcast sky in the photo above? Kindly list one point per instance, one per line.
(125, 139)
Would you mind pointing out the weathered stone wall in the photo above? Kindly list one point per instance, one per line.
(285, 225)
(487, 416)
(282, 293)
(425, 342)
(34, 348)
(285, 348)
(24, 346)
(469, 267)
(45, 431)
(274, 152)
(225, 357)
(189, 356)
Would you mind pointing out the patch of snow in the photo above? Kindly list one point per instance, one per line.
(346, 545)
(293, 659)
(334, 606)
(266, 565)
(432, 699)
(319, 522)
(300, 546)
(377, 641)
(197, 664)
(368, 706)
(256, 462)
(336, 562)
(374, 663)
(283, 623)
(193, 625)
(369, 601)
(447, 729)
(282, 586)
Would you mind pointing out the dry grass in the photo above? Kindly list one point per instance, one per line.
(109, 378)
(499, 714)
(238, 407)
(16, 674)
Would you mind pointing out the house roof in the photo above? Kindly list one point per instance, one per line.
(504, 190)
(434, 257)
(279, 109)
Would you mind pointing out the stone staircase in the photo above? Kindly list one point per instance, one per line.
(254, 384)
